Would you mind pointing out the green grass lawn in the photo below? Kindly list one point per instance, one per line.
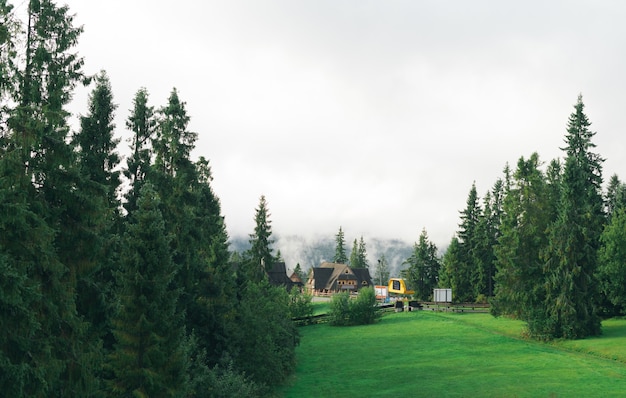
(454, 355)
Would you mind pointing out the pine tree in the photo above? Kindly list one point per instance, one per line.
(264, 334)
(487, 234)
(467, 250)
(39, 175)
(142, 123)
(354, 255)
(453, 274)
(615, 196)
(260, 259)
(150, 356)
(362, 254)
(520, 280)
(571, 259)
(209, 298)
(340, 248)
(423, 272)
(89, 237)
(298, 271)
(612, 261)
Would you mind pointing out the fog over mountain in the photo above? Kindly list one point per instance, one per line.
(310, 252)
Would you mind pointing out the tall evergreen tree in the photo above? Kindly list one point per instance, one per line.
(260, 256)
(571, 259)
(210, 292)
(612, 261)
(89, 236)
(38, 178)
(142, 123)
(520, 282)
(487, 233)
(423, 272)
(615, 195)
(453, 274)
(150, 356)
(362, 254)
(300, 273)
(340, 248)
(354, 255)
(468, 237)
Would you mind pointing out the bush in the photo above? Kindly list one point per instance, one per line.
(339, 314)
(365, 310)
(362, 311)
(300, 305)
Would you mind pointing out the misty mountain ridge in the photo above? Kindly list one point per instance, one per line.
(311, 252)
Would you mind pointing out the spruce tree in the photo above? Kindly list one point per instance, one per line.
(487, 233)
(340, 248)
(423, 272)
(615, 196)
(89, 239)
(354, 255)
(362, 254)
(520, 280)
(142, 123)
(39, 175)
(300, 273)
(150, 356)
(571, 258)
(260, 257)
(612, 262)
(468, 236)
(453, 274)
(209, 298)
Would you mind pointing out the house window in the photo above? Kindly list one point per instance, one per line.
(364, 283)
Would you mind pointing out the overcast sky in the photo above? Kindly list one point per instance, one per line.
(376, 116)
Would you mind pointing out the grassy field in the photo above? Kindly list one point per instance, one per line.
(424, 353)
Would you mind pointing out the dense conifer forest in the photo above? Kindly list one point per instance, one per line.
(116, 275)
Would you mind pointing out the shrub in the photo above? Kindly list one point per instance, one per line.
(362, 311)
(300, 305)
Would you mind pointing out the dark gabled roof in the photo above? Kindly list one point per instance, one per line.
(363, 275)
(328, 273)
(278, 275)
(321, 277)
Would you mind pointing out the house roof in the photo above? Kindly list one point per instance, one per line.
(278, 275)
(321, 276)
(327, 274)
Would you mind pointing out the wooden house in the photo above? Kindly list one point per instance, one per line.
(335, 278)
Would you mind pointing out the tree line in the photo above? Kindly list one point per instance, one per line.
(112, 291)
(546, 245)
(107, 291)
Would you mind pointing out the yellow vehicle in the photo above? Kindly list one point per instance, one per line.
(398, 286)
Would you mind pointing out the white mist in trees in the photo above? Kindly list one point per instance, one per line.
(382, 273)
